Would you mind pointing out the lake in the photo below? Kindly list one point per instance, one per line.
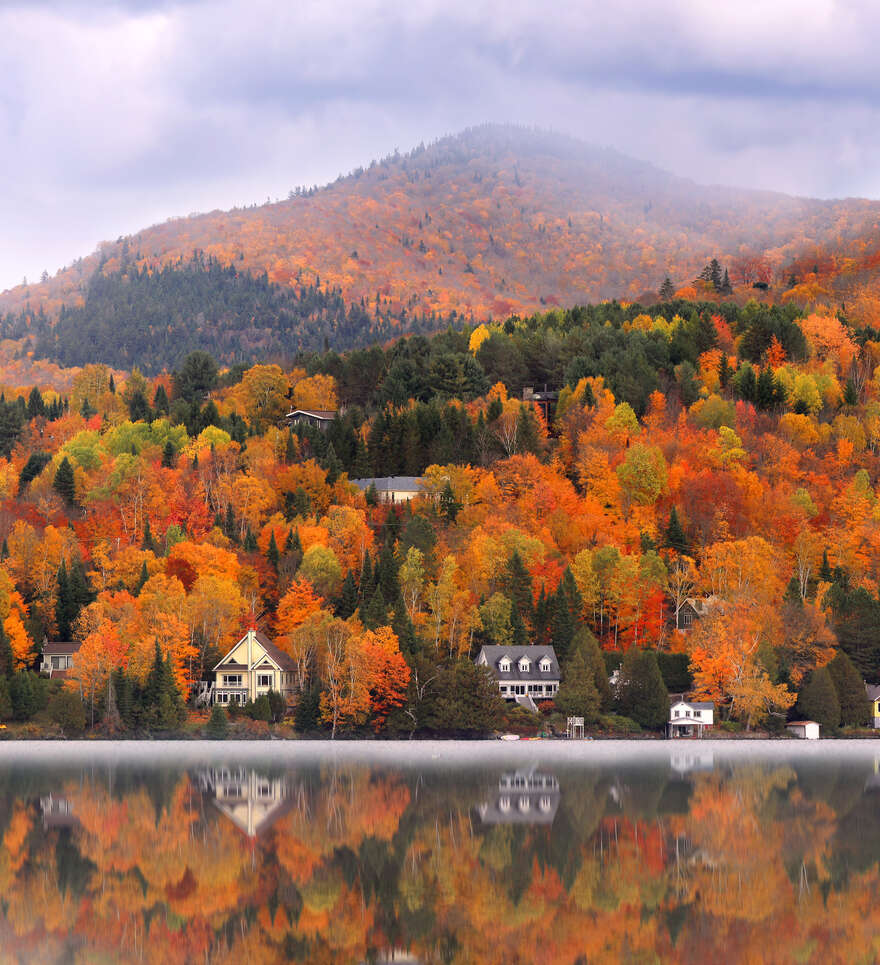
(440, 852)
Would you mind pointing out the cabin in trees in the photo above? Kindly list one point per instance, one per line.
(693, 609)
(317, 418)
(874, 697)
(688, 718)
(524, 674)
(252, 668)
(58, 657)
(392, 489)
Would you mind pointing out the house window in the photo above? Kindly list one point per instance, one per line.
(56, 663)
(545, 666)
(525, 665)
(504, 666)
(232, 680)
(222, 698)
(697, 713)
(264, 680)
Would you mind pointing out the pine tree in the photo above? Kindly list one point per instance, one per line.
(449, 506)
(367, 586)
(641, 693)
(517, 583)
(577, 696)
(7, 657)
(230, 528)
(375, 614)
(519, 635)
(561, 624)
(404, 629)
(5, 700)
(818, 700)
(667, 290)
(724, 370)
(332, 465)
(169, 455)
(541, 620)
(851, 393)
(348, 598)
(386, 573)
(249, 544)
(160, 400)
(64, 483)
(586, 644)
(218, 724)
(65, 606)
(22, 693)
(272, 554)
(855, 708)
(825, 573)
(290, 450)
(148, 543)
(726, 288)
(142, 579)
(674, 537)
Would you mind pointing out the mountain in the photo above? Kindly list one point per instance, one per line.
(493, 221)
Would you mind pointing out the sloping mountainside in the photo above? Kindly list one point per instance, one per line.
(490, 222)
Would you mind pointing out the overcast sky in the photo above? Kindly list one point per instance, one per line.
(115, 115)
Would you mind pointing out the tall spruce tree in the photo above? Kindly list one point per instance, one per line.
(517, 584)
(675, 537)
(641, 693)
(577, 695)
(855, 708)
(818, 700)
(64, 484)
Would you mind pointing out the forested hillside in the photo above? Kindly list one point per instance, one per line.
(695, 451)
(476, 226)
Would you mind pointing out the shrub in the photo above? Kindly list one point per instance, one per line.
(617, 724)
(67, 710)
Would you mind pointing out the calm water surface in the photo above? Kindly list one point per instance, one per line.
(534, 852)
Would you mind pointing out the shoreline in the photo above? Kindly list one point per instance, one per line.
(432, 753)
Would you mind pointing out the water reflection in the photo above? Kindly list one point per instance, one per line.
(522, 797)
(675, 855)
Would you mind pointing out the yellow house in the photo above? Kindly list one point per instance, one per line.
(253, 667)
(874, 696)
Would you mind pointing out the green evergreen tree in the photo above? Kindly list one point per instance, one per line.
(541, 619)
(818, 700)
(577, 696)
(825, 573)
(449, 505)
(332, 465)
(148, 543)
(375, 614)
(519, 634)
(725, 372)
(249, 544)
(142, 579)
(22, 693)
(348, 598)
(290, 450)
(5, 700)
(218, 723)
(272, 554)
(7, 658)
(386, 572)
(163, 706)
(306, 715)
(517, 584)
(641, 693)
(231, 527)
(36, 407)
(169, 455)
(587, 645)
(160, 401)
(726, 288)
(667, 290)
(675, 537)
(562, 625)
(64, 483)
(65, 606)
(850, 394)
(855, 708)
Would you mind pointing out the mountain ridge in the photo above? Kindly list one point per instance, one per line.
(492, 221)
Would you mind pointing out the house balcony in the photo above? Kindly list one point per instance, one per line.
(230, 695)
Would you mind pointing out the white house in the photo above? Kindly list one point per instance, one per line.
(253, 667)
(873, 692)
(804, 729)
(524, 674)
(392, 489)
(58, 657)
(523, 797)
(252, 801)
(689, 718)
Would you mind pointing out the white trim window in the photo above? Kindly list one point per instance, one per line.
(525, 664)
(545, 665)
(265, 680)
(232, 680)
(504, 665)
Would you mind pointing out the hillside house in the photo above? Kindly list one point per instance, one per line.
(317, 418)
(693, 609)
(689, 718)
(58, 657)
(873, 691)
(392, 489)
(253, 667)
(524, 674)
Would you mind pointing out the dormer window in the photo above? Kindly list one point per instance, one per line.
(545, 665)
(525, 665)
(504, 665)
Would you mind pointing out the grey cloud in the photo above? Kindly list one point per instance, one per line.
(118, 114)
